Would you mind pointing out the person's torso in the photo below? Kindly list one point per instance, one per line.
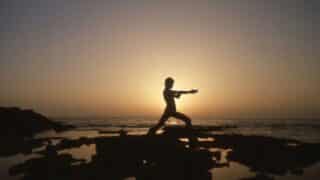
(169, 98)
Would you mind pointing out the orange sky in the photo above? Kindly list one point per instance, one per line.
(110, 58)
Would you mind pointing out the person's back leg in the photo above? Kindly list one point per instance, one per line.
(161, 122)
(192, 138)
(183, 117)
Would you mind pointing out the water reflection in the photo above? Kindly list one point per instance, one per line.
(309, 173)
(234, 171)
(84, 152)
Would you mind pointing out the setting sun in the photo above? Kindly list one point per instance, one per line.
(113, 61)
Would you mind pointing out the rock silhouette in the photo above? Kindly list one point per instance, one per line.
(169, 156)
(19, 126)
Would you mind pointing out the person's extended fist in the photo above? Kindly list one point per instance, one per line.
(194, 91)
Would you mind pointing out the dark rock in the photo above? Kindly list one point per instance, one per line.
(165, 156)
(19, 126)
(16, 122)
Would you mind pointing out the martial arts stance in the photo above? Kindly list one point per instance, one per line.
(170, 110)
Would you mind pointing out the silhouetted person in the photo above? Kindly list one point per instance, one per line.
(170, 110)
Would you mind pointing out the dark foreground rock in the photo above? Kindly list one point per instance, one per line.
(18, 126)
(171, 156)
(26, 123)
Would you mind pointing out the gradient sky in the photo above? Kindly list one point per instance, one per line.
(109, 58)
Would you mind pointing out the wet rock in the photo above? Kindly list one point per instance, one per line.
(19, 126)
(165, 156)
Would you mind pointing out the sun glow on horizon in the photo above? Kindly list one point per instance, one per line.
(111, 58)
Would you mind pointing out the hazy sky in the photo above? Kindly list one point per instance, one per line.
(109, 58)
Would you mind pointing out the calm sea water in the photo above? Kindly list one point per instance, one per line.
(307, 130)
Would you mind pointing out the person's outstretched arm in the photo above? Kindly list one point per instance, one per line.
(178, 93)
(188, 92)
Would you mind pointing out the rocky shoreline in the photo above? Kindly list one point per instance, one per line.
(171, 155)
(19, 126)
(177, 153)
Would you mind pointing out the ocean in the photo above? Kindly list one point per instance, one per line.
(306, 130)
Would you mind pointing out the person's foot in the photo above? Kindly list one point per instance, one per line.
(193, 141)
(151, 133)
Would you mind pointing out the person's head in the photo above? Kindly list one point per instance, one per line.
(169, 82)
